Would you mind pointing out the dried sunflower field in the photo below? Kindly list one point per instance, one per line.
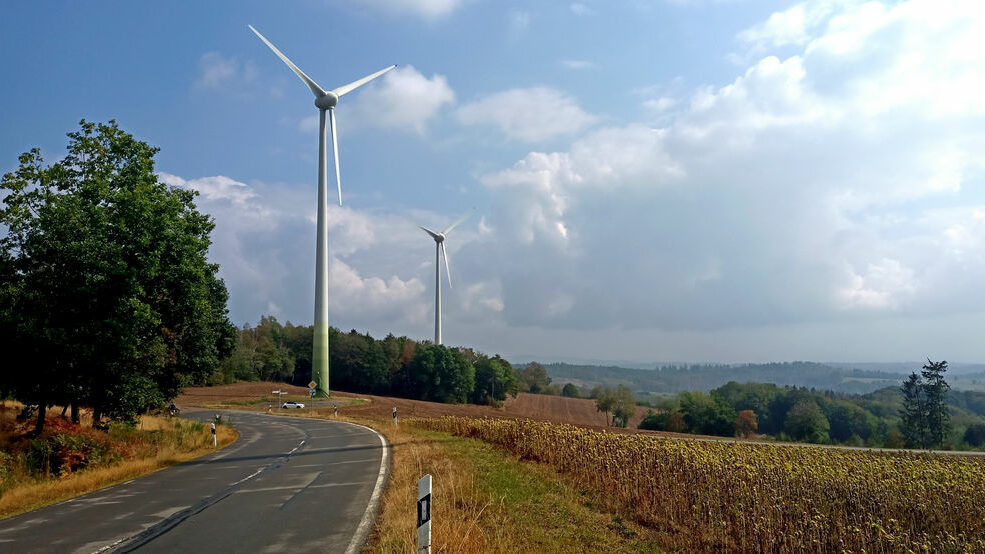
(731, 496)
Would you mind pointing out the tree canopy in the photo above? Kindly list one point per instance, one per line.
(108, 297)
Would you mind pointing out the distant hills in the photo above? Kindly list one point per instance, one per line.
(705, 377)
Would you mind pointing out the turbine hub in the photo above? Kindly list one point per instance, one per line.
(440, 238)
(326, 101)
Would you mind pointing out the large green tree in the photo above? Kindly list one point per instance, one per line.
(109, 299)
(441, 374)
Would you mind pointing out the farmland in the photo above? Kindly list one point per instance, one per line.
(711, 496)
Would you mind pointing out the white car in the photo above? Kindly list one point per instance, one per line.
(292, 404)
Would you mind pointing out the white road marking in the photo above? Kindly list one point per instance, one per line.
(366, 524)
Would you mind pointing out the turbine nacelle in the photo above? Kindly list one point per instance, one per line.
(326, 101)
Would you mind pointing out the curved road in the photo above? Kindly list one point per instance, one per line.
(288, 484)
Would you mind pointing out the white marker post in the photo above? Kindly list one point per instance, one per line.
(424, 515)
(214, 444)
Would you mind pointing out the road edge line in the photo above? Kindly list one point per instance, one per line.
(373, 508)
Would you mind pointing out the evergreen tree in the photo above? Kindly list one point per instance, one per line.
(925, 418)
(935, 394)
(913, 414)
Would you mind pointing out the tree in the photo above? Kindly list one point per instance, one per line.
(974, 435)
(110, 299)
(806, 422)
(925, 417)
(913, 413)
(494, 379)
(535, 377)
(707, 414)
(605, 400)
(441, 374)
(745, 424)
(623, 406)
(569, 391)
(935, 395)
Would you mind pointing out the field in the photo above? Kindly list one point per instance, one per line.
(712, 496)
(556, 409)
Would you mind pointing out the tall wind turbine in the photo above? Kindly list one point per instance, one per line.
(324, 101)
(439, 251)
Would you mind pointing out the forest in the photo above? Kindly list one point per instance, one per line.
(391, 366)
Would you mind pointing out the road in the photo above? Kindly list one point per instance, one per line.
(287, 485)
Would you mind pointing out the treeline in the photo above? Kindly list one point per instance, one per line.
(821, 417)
(705, 377)
(391, 366)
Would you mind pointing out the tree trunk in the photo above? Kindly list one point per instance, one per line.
(64, 410)
(42, 411)
(75, 412)
(97, 414)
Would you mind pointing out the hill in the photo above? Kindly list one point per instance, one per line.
(672, 379)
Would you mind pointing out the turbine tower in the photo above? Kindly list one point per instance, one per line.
(439, 251)
(324, 101)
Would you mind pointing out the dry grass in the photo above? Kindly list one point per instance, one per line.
(155, 444)
(487, 501)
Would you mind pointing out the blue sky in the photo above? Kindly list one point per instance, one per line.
(689, 180)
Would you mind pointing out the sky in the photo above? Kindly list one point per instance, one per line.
(645, 180)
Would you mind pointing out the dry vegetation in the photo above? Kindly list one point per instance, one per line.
(68, 460)
(713, 496)
(485, 500)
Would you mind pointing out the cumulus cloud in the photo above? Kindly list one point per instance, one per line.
(529, 115)
(835, 178)
(264, 243)
(403, 100)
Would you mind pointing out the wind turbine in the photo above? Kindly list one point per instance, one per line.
(439, 251)
(324, 101)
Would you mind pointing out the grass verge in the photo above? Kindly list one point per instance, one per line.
(485, 500)
(130, 452)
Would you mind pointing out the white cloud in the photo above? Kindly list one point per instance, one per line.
(883, 286)
(404, 99)
(218, 72)
(530, 114)
(579, 8)
(428, 9)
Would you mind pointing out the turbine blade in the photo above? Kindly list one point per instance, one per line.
(430, 232)
(453, 225)
(444, 254)
(315, 89)
(356, 84)
(335, 148)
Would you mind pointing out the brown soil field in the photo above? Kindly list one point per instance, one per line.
(557, 409)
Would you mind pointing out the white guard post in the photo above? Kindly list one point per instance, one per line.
(394, 416)
(213, 435)
(424, 515)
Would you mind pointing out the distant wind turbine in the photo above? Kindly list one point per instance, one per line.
(324, 100)
(439, 251)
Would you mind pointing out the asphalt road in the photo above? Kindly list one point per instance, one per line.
(287, 485)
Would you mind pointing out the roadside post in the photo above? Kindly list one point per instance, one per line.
(214, 444)
(424, 515)
(311, 388)
(394, 416)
